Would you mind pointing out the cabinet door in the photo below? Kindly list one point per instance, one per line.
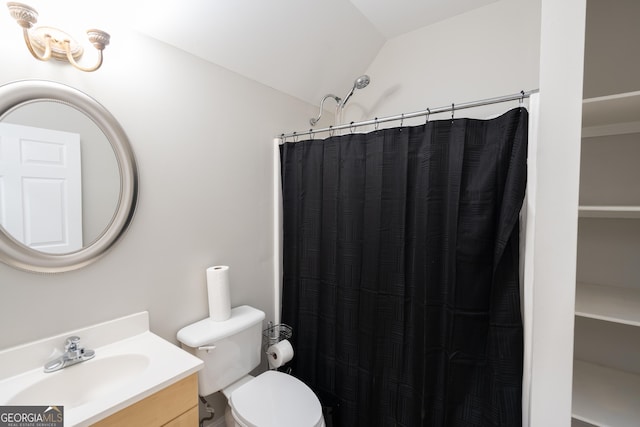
(164, 407)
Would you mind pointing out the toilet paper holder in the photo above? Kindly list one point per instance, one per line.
(274, 334)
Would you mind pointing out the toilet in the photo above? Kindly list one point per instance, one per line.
(230, 349)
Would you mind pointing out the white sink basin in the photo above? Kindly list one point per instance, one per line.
(130, 364)
(78, 384)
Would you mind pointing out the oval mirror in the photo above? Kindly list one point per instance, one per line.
(68, 177)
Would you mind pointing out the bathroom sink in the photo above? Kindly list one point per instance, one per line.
(81, 383)
(130, 364)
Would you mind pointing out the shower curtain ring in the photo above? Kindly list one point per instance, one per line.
(376, 124)
(311, 133)
(295, 137)
(401, 119)
(351, 127)
(453, 109)
(521, 98)
(284, 138)
(331, 131)
(428, 114)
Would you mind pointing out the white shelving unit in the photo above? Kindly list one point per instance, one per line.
(606, 391)
(611, 115)
(611, 109)
(605, 397)
(629, 212)
(608, 303)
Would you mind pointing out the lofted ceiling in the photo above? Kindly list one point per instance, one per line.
(305, 48)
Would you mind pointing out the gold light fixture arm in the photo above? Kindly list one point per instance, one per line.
(99, 40)
(78, 66)
(45, 43)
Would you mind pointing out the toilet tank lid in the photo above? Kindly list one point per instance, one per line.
(208, 331)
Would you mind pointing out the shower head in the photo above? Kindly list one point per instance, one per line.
(361, 82)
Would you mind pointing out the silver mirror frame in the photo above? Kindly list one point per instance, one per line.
(21, 256)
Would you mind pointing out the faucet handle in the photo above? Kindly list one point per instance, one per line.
(72, 343)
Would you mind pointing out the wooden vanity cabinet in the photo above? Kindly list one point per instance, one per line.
(174, 406)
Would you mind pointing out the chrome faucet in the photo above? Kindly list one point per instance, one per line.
(73, 354)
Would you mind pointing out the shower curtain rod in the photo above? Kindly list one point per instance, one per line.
(453, 107)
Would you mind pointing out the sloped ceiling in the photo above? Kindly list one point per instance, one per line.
(305, 48)
(299, 47)
(392, 18)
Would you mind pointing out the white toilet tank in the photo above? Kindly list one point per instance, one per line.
(230, 349)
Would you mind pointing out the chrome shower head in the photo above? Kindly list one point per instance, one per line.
(361, 82)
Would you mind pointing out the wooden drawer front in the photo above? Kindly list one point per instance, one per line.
(188, 419)
(164, 407)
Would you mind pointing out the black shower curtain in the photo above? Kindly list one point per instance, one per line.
(401, 271)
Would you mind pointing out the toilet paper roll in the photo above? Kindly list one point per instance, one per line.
(219, 294)
(279, 354)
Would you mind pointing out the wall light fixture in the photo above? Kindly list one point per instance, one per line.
(45, 43)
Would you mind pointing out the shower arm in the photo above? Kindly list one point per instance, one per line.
(313, 121)
(342, 103)
(359, 83)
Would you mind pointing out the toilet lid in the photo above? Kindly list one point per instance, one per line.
(275, 399)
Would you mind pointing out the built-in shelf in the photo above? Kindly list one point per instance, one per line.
(606, 366)
(605, 397)
(611, 115)
(611, 109)
(629, 212)
(609, 303)
(613, 129)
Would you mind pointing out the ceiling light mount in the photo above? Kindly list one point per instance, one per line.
(45, 43)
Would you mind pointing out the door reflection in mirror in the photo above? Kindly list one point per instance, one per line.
(62, 216)
(41, 187)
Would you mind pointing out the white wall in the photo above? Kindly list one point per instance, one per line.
(610, 66)
(203, 140)
(487, 52)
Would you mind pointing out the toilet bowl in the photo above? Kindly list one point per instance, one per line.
(230, 349)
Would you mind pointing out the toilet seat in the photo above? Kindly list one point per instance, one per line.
(275, 399)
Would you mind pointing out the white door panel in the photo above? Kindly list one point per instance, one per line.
(40, 187)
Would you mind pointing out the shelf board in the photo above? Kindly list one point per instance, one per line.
(611, 129)
(612, 109)
(590, 211)
(605, 396)
(608, 303)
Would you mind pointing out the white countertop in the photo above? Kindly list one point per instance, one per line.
(131, 363)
